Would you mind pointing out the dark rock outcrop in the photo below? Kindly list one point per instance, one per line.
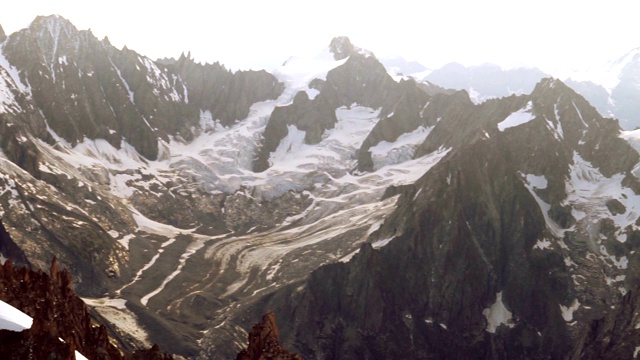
(9, 249)
(61, 322)
(614, 335)
(88, 89)
(227, 95)
(76, 83)
(264, 342)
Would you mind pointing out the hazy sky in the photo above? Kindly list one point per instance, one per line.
(257, 34)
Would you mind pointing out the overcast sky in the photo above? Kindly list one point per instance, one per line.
(263, 34)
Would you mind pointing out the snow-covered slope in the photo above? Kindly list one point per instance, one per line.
(13, 319)
(191, 227)
(184, 196)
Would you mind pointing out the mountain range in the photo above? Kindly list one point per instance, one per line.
(464, 213)
(611, 88)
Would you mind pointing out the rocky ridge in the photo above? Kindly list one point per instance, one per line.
(103, 201)
(264, 342)
(61, 321)
(537, 282)
(329, 161)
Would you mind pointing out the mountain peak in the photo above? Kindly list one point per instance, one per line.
(3, 36)
(341, 47)
(52, 23)
(547, 83)
(550, 87)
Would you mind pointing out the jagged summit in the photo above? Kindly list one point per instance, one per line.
(341, 47)
(499, 228)
(264, 342)
(51, 21)
(53, 30)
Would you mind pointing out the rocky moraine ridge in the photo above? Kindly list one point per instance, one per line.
(376, 215)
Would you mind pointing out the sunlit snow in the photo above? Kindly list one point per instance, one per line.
(497, 315)
(401, 150)
(13, 319)
(519, 117)
(567, 311)
(219, 159)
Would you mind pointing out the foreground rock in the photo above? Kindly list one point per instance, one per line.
(264, 342)
(61, 322)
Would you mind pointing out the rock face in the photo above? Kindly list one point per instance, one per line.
(264, 342)
(87, 89)
(228, 96)
(10, 250)
(61, 323)
(67, 90)
(379, 218)
(489, 255)
(612, 336)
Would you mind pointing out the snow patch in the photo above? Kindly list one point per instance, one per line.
(349, 256)
(381, 243)
(538, 182)
(497, 315)
(124, 82)
(542, 244)
(517, 118)
(153, 227)
(13, 319)
(403, 149)
(125, 240)
(567, 312)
